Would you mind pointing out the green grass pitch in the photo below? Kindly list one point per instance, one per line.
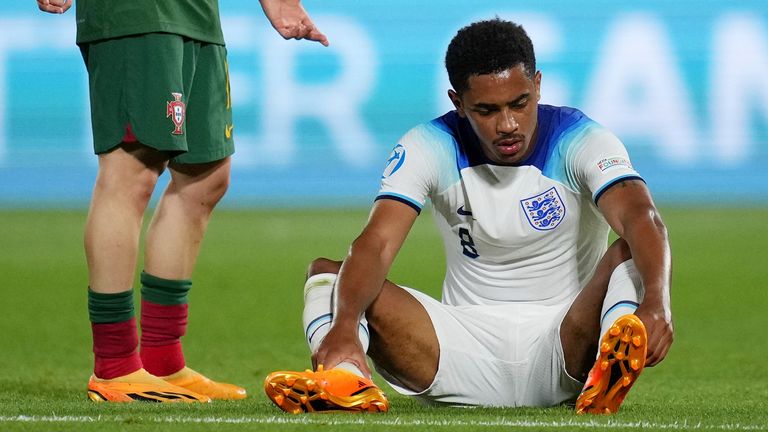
(245, 322)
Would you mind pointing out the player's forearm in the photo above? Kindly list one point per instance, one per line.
(360, 281)
(648, 240)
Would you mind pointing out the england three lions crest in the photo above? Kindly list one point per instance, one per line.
(544, 211)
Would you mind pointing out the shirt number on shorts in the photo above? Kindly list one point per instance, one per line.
(467, 244)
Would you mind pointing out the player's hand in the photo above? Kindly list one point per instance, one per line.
(54, 6)
(290, 19)
(341, 346)
(658, 324)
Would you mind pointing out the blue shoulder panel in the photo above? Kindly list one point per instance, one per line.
(468, 150)
(561, 130)
(554, 123)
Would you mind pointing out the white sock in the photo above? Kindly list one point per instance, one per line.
(318, 315)
(625, 292)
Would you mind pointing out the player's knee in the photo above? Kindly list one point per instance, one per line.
(143, 187)
(214, 181)
(218, 187)
(136, 187)
(202, 198)
(323, 265)
(204, 184)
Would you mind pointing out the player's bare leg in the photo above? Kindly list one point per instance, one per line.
(580, 330)
(173, 242)
(127, 176)
(124, 185)
(404, 344)
(403, 340)
(399, 329)
(178, 225)
(620, 351)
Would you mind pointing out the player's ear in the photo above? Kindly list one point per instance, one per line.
(537, 83)
(456, 101)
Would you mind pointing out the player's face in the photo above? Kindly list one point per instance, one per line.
(502, 109)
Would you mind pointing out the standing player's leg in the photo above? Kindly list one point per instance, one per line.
(173, 241)
(139, 86)
(181, 218)
(126, 178)
(133, 83)
(199, 179)
(601, 321)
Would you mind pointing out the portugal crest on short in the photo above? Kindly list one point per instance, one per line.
(176, 111)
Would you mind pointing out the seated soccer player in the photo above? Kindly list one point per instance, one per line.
(536, 309)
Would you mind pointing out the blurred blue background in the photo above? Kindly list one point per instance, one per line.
(684, 84)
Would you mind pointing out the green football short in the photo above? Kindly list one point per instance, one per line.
(163, 90)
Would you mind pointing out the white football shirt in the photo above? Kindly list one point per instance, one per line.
(525, 233)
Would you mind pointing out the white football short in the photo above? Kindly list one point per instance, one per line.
(507, 355)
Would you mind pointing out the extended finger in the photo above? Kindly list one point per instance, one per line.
(314, 361)
(651, 356)
(659, 351)
(363, 367)
(657, 357)
(662, 354)
(664, 346)
(321, 357)
(306, 30)
(312, 32)
(316, 36)
(651, 360)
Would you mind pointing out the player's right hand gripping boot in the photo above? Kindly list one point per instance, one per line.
(140, 386)
(324, 391)
(619, 363)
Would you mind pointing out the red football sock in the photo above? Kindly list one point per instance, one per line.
(162, 326)
(114, 345)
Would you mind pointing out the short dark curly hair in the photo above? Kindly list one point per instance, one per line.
(487, 47)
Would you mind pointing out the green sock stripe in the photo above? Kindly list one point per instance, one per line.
(110, 308)
(164, 291)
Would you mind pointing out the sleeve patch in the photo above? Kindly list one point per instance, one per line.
(395, 161)
(614, 162)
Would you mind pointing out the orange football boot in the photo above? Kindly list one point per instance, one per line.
(198, 383)
(324, 391)
(619, 363)
(140, 386)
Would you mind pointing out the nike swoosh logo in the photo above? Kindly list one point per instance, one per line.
(228, 130)
(463, 212)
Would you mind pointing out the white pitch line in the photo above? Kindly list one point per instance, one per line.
(397, 421)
